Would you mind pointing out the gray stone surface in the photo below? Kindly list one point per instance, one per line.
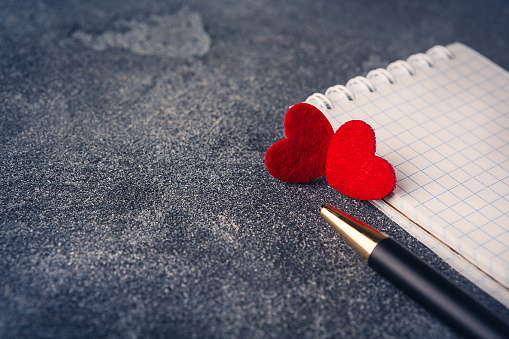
(135, 202)
(177, 35)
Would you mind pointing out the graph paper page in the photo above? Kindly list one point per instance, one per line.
(445, 130)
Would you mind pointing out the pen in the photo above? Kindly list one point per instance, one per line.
(416, 278)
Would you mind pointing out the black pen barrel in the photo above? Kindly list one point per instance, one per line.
(435, 292)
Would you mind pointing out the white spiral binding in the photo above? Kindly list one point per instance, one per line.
(420, 60)
(361, 82)
(401, 66)
(389, 75)
(318, 99)
(440, 53)
(381, 73)
(339, 90)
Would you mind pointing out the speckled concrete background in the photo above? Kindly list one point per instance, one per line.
(135, 202)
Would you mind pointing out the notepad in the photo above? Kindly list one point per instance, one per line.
(442, 120)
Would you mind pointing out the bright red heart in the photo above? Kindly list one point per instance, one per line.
(352, 167)
(301, 156)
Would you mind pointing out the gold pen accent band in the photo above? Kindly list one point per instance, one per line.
(362, 238)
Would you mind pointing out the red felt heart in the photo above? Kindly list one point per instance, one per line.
(352, 167)
(301, 156)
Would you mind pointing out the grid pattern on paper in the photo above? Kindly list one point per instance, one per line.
(445, 130)
(455, 260)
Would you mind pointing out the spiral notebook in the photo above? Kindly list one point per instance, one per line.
(442, 120)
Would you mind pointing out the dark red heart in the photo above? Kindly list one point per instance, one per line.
(301, 156)
(352, 167)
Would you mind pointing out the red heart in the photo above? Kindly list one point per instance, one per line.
(301, 156)
(352, 167)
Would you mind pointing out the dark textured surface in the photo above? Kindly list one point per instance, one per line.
(134, 197)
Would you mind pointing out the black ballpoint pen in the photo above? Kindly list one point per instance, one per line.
(416, 278)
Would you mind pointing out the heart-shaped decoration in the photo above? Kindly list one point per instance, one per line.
(301, 156)
(352, 167)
